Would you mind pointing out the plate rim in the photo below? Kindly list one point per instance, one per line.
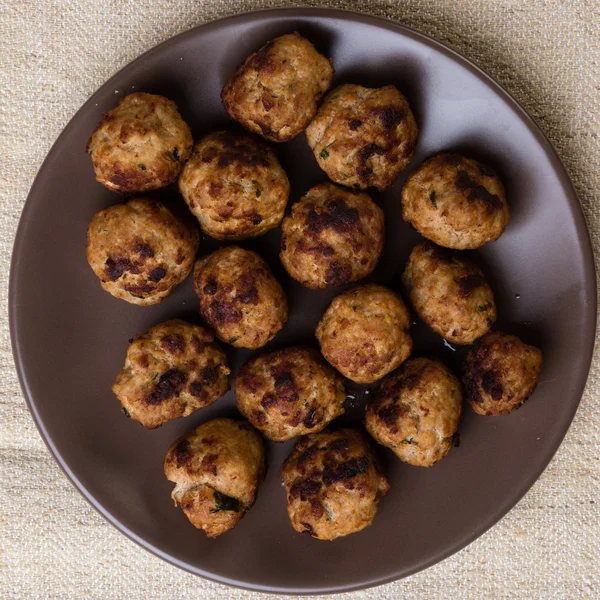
(574, 204)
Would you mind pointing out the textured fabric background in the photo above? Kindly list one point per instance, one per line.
(53, 55)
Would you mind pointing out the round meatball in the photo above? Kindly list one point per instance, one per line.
(499, 373)
(455, 202)
(216, 470)
(333, 483)
(275, 91)
(235, 186)
(364, 333)
(140, 251)
(449, 292)
(417, 411)
(140, 145)
(363, 137)
(333, 236)
(169, 372)
(289, 392)
(239, 297)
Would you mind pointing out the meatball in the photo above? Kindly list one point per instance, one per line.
(333, 483)
(455, 202)
(289, 392)
(140, 145)
(363, 137)
(235, 186)
(364, 333)
(499, 373)
(169, 372)
(140, 251)
(449, 292)
(239, 297)
(333, 236)
(417, 411)
(275, 91)
(216, 470)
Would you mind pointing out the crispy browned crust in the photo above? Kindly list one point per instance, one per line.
(276, 90)
(499, 373)
(289, 392)
(333, 482)
(332, 237)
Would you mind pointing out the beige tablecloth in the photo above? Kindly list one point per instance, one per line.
(54, 55)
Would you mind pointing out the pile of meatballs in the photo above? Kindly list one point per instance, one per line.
(235, 186)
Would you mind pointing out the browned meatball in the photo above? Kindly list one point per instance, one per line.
(455, 202)
(334, 483)
(239, 297)
(333, 236)
(140, 145)
(275, 92)
(170, 372)
(363, 137)
(364, 333)
(289, 392)
(235, 186)
(216, 469)
(499, 373)
(449, 292)
(417, 411)
(140, 251)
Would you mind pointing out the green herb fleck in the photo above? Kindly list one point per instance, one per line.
(324, 153)
(482, 307)
(231, 340)
(258, 193)
(141, 166)
(174, 155)
(354, 308)
(432, 198)
(223, 502)
(125, 412)
(136, 295)
(408, 441)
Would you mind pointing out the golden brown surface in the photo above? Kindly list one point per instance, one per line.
(170, 372)
(455, 202)
(449, 292)
(216, 469)
(235, 186)
(289, 392)
(140, 145)
(140, 250)
(333, 482)
(364, 333)
(417, 411)
(333, 236)
(275, 91)
(239, 297)
(363, 137)
(499, 373)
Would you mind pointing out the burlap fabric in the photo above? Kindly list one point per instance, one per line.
(54, 55)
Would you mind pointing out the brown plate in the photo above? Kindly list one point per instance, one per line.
(70, 337)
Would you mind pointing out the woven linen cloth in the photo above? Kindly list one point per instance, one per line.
(54, 54)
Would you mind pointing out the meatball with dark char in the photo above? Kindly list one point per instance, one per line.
(235, 186)
(276, 90)
(363, 137)
(364, 333)
(289, 392)
(455, 202)
(140, 251)
(416, 412)
(216, 470)
(333, 236)
(333, 482)
(239, 297)
(449, 292)
(499, 373)
(140, 145)
(171, 371)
